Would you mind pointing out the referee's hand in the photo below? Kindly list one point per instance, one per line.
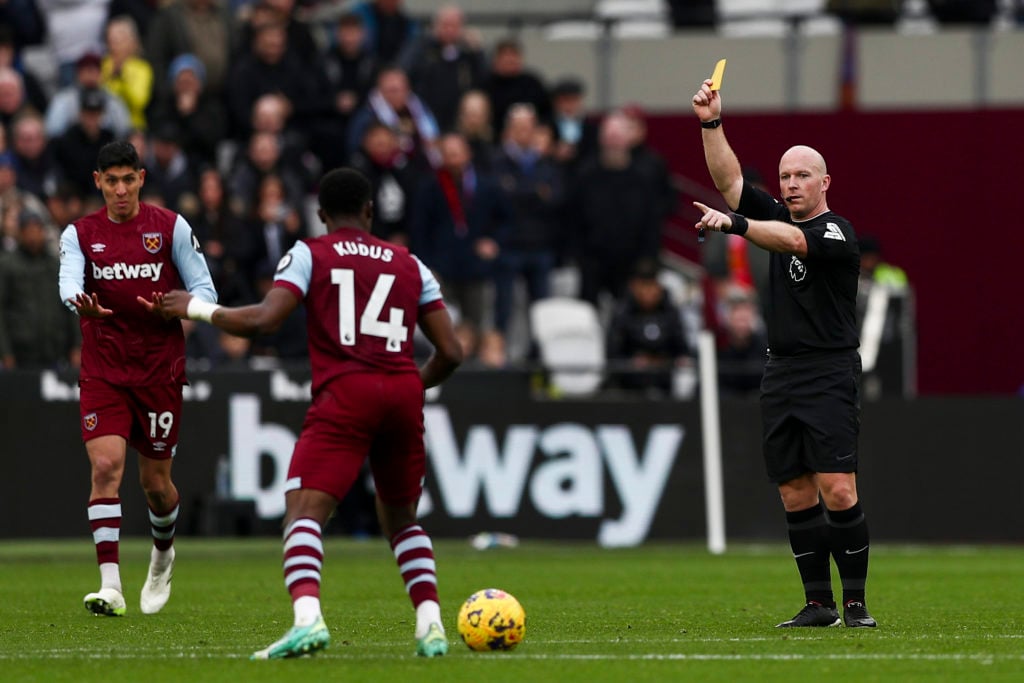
(707, 103)
(712, 219)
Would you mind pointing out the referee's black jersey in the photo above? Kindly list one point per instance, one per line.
(813, 300)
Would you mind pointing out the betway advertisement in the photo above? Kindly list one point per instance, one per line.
(499, 458)
(614, 470)
(510, 464)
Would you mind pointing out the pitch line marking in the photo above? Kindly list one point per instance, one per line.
(984, 658)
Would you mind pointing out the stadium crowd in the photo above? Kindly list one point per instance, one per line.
(488, 173)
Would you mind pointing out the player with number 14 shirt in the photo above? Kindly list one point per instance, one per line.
(364, 297)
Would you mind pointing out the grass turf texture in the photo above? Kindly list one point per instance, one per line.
(655, 613)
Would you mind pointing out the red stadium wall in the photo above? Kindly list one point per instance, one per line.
(936, 188)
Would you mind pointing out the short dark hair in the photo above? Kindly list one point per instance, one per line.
(118, 153)
(508, 44)
(344, 192)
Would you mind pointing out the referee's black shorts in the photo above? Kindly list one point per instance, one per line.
(810, 413)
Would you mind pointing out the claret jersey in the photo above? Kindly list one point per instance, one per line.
(153, 252)
(363, 298)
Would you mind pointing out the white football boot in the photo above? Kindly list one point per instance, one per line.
(157, 590)
(107, 602)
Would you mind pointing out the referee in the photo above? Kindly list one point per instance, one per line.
(810, 398)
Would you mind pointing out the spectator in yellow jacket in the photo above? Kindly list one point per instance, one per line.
(124, 72)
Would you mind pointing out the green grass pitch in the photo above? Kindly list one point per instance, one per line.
(660, 612)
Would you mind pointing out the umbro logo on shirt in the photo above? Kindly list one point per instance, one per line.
(98, 247)
(832, 232)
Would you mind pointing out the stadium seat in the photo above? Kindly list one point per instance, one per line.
(571, 343)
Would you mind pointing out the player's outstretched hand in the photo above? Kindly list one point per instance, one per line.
(712, 219)
(173, 304)
(89, 305)
(707, 103)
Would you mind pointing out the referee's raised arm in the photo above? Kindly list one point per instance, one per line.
(722, 162)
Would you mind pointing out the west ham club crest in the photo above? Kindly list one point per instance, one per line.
(90, 421)
(152, 241)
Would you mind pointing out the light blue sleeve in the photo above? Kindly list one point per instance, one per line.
(72, 266)
(296, 267)
(431, 287)
(188, 259)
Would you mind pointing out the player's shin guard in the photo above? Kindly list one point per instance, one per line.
(105, 520)
(303, 561)
(850, 543)
(809, 539)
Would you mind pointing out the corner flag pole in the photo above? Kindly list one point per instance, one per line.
(711, 430)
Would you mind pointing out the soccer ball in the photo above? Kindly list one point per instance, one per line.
(492, 619)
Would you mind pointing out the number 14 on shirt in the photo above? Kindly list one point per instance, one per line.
(370, 323)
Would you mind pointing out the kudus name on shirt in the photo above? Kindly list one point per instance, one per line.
(350, 248)
(128, 271)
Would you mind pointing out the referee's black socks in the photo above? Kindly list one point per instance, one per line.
(809, 539)
(850, 546)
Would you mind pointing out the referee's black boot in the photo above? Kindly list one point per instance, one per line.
(813, 614)
(855, 615)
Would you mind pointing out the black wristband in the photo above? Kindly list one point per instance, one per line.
(739, 224)
(711, 124)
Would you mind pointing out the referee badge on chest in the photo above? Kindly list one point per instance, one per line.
(797, 269)
(152, 241)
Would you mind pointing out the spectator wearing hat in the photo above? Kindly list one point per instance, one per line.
(75, 151)
(63, 110)
(200, 118)
(124, 73)
(36, 331)
(645, 337)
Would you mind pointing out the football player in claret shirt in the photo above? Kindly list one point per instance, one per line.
(133, 363)
(364, 297)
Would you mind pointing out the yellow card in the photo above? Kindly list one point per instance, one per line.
(716, 78)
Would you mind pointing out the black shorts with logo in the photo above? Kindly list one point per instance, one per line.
(810, 413)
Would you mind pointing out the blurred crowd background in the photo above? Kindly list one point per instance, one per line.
(500, 180)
